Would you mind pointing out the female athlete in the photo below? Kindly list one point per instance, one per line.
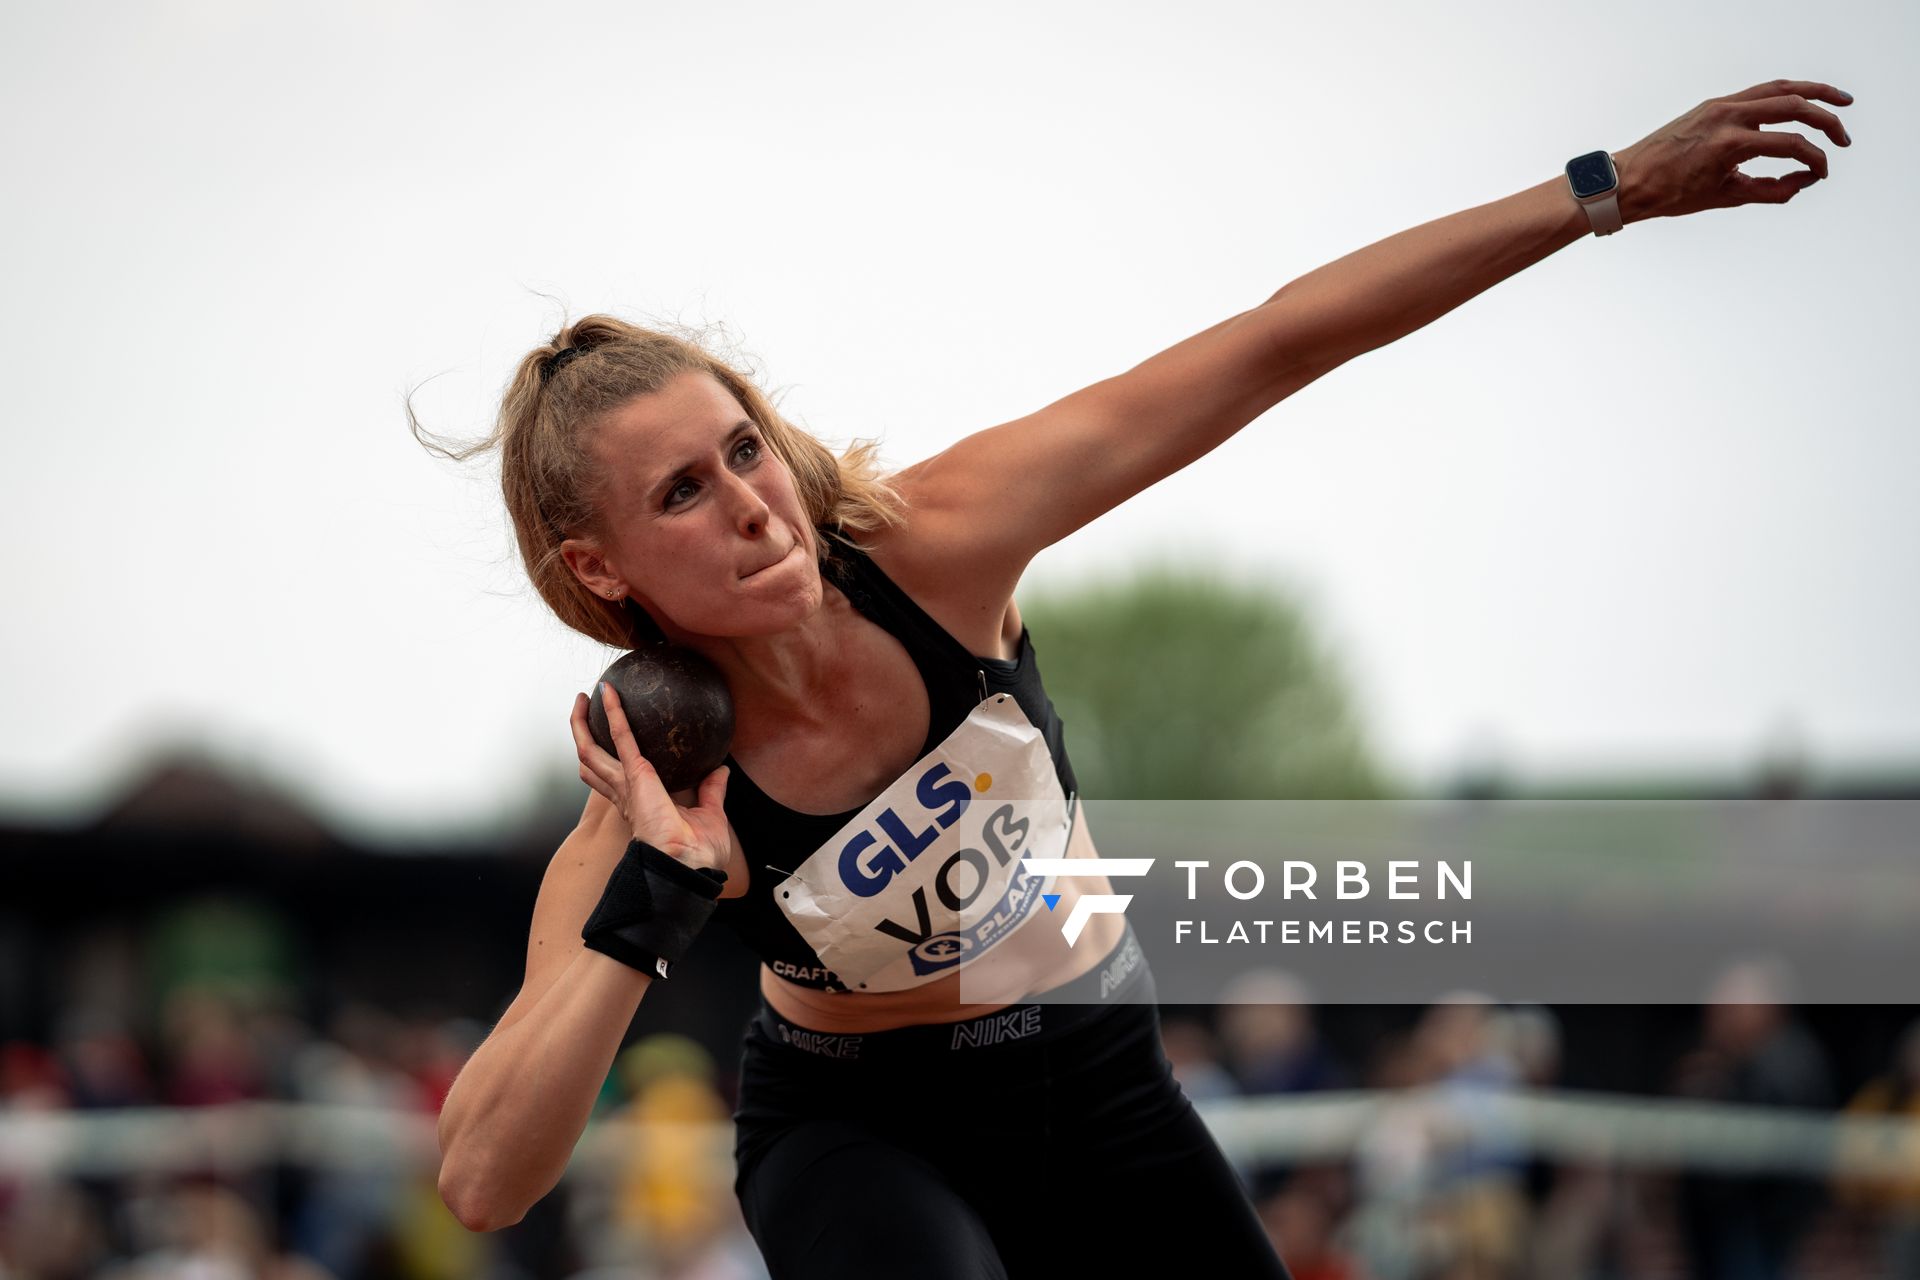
(938, 1083)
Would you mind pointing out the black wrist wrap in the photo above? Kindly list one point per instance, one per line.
(653, 906)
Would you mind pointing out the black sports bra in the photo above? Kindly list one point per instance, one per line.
(776, 839)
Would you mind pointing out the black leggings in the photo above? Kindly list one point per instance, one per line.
(1048, 1140)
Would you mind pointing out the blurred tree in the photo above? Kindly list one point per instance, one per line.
(227, 943)
(1180, 683)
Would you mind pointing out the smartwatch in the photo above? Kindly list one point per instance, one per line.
(1595, 183)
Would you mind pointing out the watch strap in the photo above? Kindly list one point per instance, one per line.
(1603, 212)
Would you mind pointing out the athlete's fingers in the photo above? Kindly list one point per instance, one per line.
(713, 789)
(634, 764)
(1805, 88)
(1792, 108)
(599, 786)
(1746, 189)
(650, 812)
(597, 769)
(1782, 143)
(617, 727)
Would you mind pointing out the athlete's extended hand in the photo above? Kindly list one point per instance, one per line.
(697, 836)
(1693, 163)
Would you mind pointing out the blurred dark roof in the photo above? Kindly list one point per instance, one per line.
(187, 792)
(184, 791)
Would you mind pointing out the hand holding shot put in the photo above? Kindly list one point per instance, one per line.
(695, 834)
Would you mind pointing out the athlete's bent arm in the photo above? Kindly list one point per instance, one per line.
(520, 1104)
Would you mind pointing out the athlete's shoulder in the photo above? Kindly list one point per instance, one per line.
(972, 602)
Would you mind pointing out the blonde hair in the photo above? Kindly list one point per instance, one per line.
(554, 486)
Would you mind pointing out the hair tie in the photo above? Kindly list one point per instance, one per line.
(559, 360)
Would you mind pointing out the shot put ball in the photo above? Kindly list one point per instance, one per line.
(677, 705)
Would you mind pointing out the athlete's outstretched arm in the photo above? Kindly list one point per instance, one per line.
(1045, 475)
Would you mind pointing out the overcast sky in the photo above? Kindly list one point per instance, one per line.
(1651, 502)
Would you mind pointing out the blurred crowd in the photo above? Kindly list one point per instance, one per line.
(1420, 1195)
(666, 1209)
(1438, 1192)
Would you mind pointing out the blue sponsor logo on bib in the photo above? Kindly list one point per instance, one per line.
(941, 951)
(865, 869)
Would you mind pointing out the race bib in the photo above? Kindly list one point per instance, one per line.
(928, 878)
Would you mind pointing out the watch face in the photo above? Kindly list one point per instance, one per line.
(1591, 174)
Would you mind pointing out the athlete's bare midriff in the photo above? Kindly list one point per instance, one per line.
(1035, 958)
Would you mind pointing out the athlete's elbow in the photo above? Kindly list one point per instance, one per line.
(473, 1205)
(476, 1214)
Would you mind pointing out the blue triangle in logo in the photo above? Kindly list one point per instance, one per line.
(1051, 899)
